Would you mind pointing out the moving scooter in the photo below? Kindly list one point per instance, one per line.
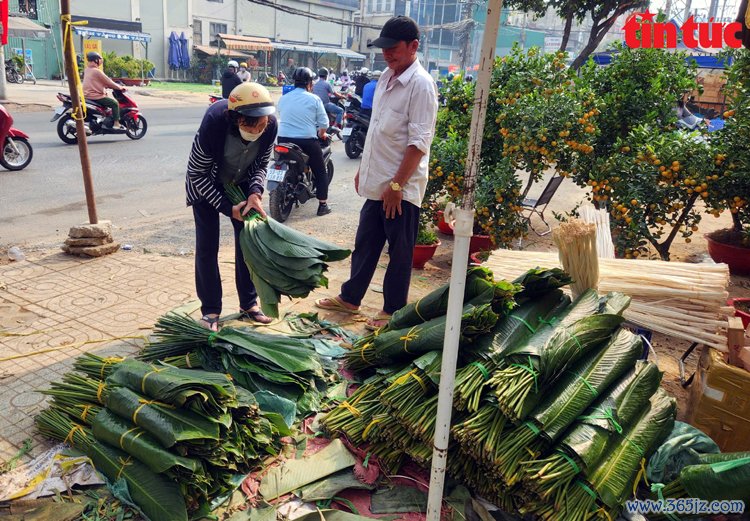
(17, 151)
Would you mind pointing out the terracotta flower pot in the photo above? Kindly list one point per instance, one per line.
(475, 259)
(423, 253)
(744, 315)
(480, 243)
(443, 226)
(737, 258)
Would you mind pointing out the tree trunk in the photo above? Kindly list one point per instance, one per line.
(737, 224)
(566, 31)
(598, 32)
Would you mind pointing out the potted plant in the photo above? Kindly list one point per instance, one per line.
(732, 185)
(427, 243)
(126, 69)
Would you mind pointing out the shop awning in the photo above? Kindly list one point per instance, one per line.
(245, 43)
(315, 49)
(20, 27)
(93, 32)
(211, 51)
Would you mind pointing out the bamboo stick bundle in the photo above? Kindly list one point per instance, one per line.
(678, 299)
(600, 218)
(576, 242)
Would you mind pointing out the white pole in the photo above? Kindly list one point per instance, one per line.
(3, 94)
(462, 233)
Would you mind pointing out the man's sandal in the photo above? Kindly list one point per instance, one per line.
(256, 316)
(335, 304)
(210, 322)
(375, 323)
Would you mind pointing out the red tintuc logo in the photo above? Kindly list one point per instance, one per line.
(642, 32)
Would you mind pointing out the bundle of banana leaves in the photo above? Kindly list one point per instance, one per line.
(611, 483)
(581, 450)
(515, 328)
(281, 260)
(156, 495)
(193, 427)
(538, 362)
(414, 383)
(717, 477)
(571, 395)
(392, 347)
(288, 367)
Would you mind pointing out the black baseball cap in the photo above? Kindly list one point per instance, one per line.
(397, 29)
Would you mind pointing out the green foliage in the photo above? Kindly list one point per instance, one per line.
(652, 184)
(426, 234)
(733, 188)
(125, 66)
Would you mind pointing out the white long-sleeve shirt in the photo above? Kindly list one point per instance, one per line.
(403, 114)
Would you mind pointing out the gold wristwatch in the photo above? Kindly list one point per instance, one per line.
(395, 186)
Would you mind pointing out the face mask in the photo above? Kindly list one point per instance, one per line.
(249, 136)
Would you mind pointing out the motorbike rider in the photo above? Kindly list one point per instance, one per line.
(303, 122)
(94, 83)
(243, 73)
(229, 80)
(325, 92)
(361, 80)
(368, 93)
(344, 80)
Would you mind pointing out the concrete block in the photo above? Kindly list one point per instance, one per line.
(101, 229)
(89, 241)
(92, 251)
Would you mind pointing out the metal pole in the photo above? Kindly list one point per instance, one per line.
(3, 84)
(83, 148)
(462, 233)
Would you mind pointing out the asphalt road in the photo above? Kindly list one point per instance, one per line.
(139, 186)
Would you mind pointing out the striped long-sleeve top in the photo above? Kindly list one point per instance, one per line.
(207, 155)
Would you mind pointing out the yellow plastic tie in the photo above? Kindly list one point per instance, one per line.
(187, 359)
(401, 380)
(124, 463)
(349, 407)
(144, 403)
(99, 391)
(421, 382)
(641, 475)
(369, 427)
(154, 370)
(69, 437)
(124, 434)
(416, 310)
(603, 511)
(362, 352)
(68, 23)
(408, 337)
(109, 361)
(85, 412)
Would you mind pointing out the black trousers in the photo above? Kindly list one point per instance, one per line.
(207, 276)
(311, 147)
(373, 232)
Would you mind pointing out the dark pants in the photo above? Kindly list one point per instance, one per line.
(110, 104)
(373, 232)
(311, 147)
(207, 276)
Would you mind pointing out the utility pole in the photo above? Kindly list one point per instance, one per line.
(83, 148)
(713, 9)
(668, 9)
(688, 7)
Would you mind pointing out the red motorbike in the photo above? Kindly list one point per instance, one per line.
(17, 151)
(99, 119)
(213, 98)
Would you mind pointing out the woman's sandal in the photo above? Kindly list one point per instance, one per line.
(256, 316)
(335, 304)
(375, 323)
(210, 322)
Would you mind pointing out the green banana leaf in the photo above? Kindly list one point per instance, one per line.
(286, 354)
(331, 251)
(123, 434)
(330, 486)
(272, 403)
(588, 441)
(585, 382)
(613, 479)
(479, 285)
(719, 477)
(539, 281)
(158, 497)
(207, 393)
(163, 421)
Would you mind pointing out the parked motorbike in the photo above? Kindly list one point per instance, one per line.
(290, 180)
(355, 133)
(98, 119)
(12, 74)
(17, 151)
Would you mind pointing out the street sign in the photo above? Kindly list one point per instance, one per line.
(552, 43)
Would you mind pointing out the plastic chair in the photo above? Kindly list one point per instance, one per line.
(538, 206)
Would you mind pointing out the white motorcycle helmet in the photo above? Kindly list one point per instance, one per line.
(364, 70)
(232, 63)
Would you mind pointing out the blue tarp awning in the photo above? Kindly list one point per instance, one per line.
(92, 32)
(703, 61)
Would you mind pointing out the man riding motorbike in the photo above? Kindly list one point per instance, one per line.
(325, 92)
(368, 93)
(304, 122)
(229, 80)
(94, 83)
(361, 80)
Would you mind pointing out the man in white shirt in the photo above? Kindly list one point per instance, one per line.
(393, 173)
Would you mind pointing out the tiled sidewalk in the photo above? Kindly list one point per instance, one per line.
(63, 306)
